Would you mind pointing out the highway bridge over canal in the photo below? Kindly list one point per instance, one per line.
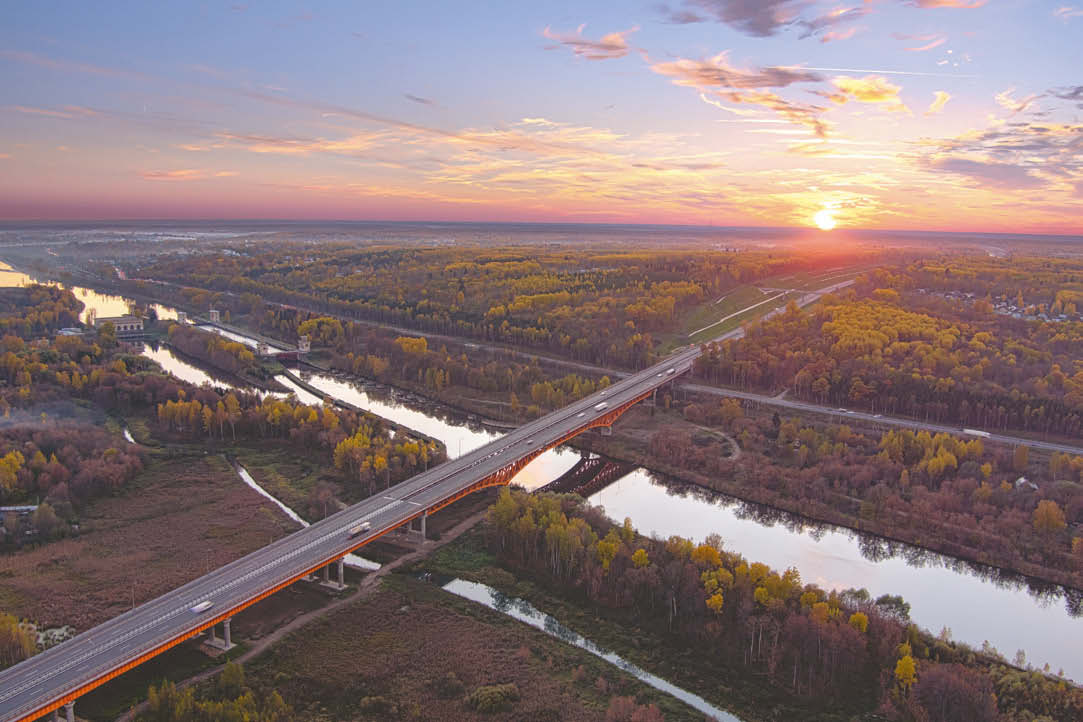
(54, 679)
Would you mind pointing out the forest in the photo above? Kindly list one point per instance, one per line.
(899, 351)
(839, 650)
(599, 306)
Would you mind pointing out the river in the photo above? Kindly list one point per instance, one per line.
(976, 604)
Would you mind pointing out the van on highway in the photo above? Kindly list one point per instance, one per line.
(360, 529)
(201, 607)
(671, 371)
(602, 406)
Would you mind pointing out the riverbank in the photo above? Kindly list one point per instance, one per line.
(629, 444)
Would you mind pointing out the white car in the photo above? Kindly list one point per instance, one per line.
(201, 607)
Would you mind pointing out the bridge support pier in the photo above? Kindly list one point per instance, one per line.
(605, 430)
(326, 574)
(226, 643)
(69, 711)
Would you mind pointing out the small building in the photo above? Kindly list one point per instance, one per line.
(215, 316)
(123, 325)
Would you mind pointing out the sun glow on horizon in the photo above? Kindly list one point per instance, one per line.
(824, 219)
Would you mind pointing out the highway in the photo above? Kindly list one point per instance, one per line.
(61, 673)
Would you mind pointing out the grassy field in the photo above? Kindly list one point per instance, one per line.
(179, 518)
(390, 655)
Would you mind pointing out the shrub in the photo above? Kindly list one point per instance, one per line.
(493, 698)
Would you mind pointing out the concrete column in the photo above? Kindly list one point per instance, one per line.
(325, 573)
(225, 628)
(341, 571)
(213, 641)
(424, 517)
(56, 715)
(69, 710)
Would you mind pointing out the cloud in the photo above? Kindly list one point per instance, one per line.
(833, 35)
(758, 18)
(185, 174)
(419, 99)
(716, 72)
(226, 174)
(823, 26)
(965, 4)
(989, 173)
(1068, 11)
(1006, 101)
(66, 65)
(927, 42)
(613, 45)
(870, 89)
(802, 114)
(1011, 154)
(4, 156)
(1074, 94)
(276, 145)
(939, 101)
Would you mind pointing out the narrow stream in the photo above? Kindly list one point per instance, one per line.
(525, 612)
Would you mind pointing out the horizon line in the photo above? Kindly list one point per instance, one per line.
(810, 229)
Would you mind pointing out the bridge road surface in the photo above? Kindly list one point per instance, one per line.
(45, 681)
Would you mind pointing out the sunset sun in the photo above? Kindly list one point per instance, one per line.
(824, 220)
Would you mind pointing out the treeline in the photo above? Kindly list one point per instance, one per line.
(62, 464)
(214, 349)
(409, 361)
(363, 447)
(37, 310)
(1033, 284)
(840, 650)
(954, 494)
(228, 699)
(593, 306)
(886, 353)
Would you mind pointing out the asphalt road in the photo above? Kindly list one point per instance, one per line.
(34, 684)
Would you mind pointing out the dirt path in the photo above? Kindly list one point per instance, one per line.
(369, 584)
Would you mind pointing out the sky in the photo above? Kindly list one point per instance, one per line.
(960, 115)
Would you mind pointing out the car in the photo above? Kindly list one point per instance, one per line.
(201, 607)
(843, 411)
(659, 374)
(529, 442)
(877, 416)
(602, 406)
(360, 528)
(581, 414)
(671, 372)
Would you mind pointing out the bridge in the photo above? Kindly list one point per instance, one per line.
(55, 678)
